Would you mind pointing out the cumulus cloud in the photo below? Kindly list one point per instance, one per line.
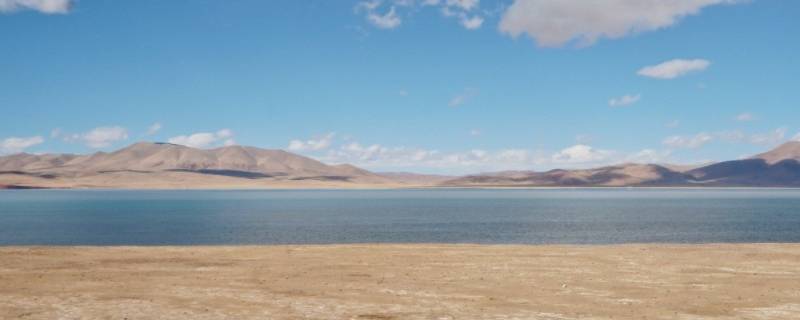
(380, 156)
(330, 149)
(625, 100)
(673, 68)
(17, 145)
(42, 6)
(470, 161)
(462, 97)
(580, 153)
(153, 129)
(205, 139)
(554, 23)
(100, 137)
(314, 144)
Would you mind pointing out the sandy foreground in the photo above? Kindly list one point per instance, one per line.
(728, 281)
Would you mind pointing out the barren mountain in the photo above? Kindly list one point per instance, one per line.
(776, 168)
(171, 164)
(620, 175)
(161, 165)
(786, 151)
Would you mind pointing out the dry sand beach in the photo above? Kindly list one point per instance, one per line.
(711, 281)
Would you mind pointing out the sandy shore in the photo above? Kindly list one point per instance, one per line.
(747, 281)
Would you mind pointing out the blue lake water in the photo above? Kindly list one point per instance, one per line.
(572, 216)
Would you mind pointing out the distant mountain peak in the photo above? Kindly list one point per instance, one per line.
(787, 151)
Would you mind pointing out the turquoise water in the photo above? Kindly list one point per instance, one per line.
(575, 216)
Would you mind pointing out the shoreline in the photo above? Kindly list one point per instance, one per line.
(378, 188)
(402, 281)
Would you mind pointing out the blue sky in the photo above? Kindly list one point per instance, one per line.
(448, 86)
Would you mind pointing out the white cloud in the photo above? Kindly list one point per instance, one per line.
(649, 156)
(768, 139)
(465, 5)
(390, 20)
(674, 68)
(471, 23)
(554, 23)
(17, 145)
(55, 133)
(315, 144)
(100, 137)
(743, 117)
(760, 139)
(475, 132)
(463, 97)
(580, 153)
(691, 142)
(382, 157)
(153, 129)
(205, 139)
(625, 100)
(43, 6)
(387, 14)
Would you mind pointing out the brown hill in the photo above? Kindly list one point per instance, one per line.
(620, 175)
(786, 151)
(157, 159)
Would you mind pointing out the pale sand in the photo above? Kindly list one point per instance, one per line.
(729, 281)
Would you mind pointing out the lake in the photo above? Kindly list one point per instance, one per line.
(518, 216)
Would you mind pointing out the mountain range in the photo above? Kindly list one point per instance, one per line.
(169, 166)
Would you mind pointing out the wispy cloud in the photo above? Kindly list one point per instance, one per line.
(673, 68)
(698, 140)
(17, 145)
(205, 139)
(744, 117)
(463, 97)
(691, 142)
(624, 100)
(386, 20)
(42, 6)
(153, 129)
(389, 14)
(554, 23)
